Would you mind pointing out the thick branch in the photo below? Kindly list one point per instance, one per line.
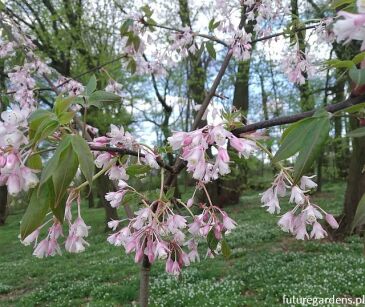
(278, 121)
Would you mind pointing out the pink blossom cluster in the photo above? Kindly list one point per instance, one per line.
(351, 26)
(158, 233)
(297, 67)
(13, 173)
(48, 246)
(195, 145)
(183, 42)
(6, 49)
(75, 241)
(240, 45)
(71, 87)
(118, 138)
(304, 213)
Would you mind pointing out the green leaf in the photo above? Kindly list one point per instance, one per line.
(212, 240)
(211, 50)
(137, 169)
(356, 108)
(64, 173)
(59, 211)
(124, 29)
(357, 133)
(226, 250)
(335, 63)
(357, 75)
(62, 104)
(66, 117)
(36, 119)
(84, 156)
(312, 146)
(292, 141)
(91, 86)
(99, 98)
(45, 129)
(35, 162)
(132, 66)
(53, 162)
(357, 59)
(36, 211)
(359, 217)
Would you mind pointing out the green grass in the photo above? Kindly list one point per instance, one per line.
(265, 264)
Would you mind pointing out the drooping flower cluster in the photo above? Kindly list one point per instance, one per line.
(158, 233)
(240, 45)
(297, 67)
(304, 215)
(183, 42)
(48, 246)
(72, 87)
(352, 26)
(195, 147)
(117, 138)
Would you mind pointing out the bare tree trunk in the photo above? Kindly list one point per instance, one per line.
(144, 282)
(3, 204)
(355, 184)
(104, 185)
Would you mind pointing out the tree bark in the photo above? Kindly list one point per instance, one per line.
(355, 184)
(3, 204)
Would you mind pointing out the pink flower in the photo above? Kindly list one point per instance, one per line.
(286, 222)
(31, 238)
(103, 159)
(350, 28)
(228, 223)
(190, 202)
(117, 173)
(42, 249)
(75, 244)
(306, 182)
(115, 198)
(244, 147)
(175, 222)
(223, 154)
(13, 184)
(318, 232)
(331, 221)
(297, 196)
(113, 224)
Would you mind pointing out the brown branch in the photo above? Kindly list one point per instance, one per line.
(278, 121)
(123, 151)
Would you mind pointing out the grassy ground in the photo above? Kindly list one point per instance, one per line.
(266, 264)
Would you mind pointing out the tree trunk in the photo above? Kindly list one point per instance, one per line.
(103, 186)
(355, 184)
(3, 204)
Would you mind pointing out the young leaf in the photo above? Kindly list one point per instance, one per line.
(357, 75)
(211, 50)
(64, 173)
(37, 209)
(53, 162)
(357, 133)
(62, 104)
(226, 250)
(99, 98)
(45, 129)
(84, 156)
(91, 86)
(212, 240)
(292, 141)
(312, 145)
(66, 117)
(35, 162)
(137, 169)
